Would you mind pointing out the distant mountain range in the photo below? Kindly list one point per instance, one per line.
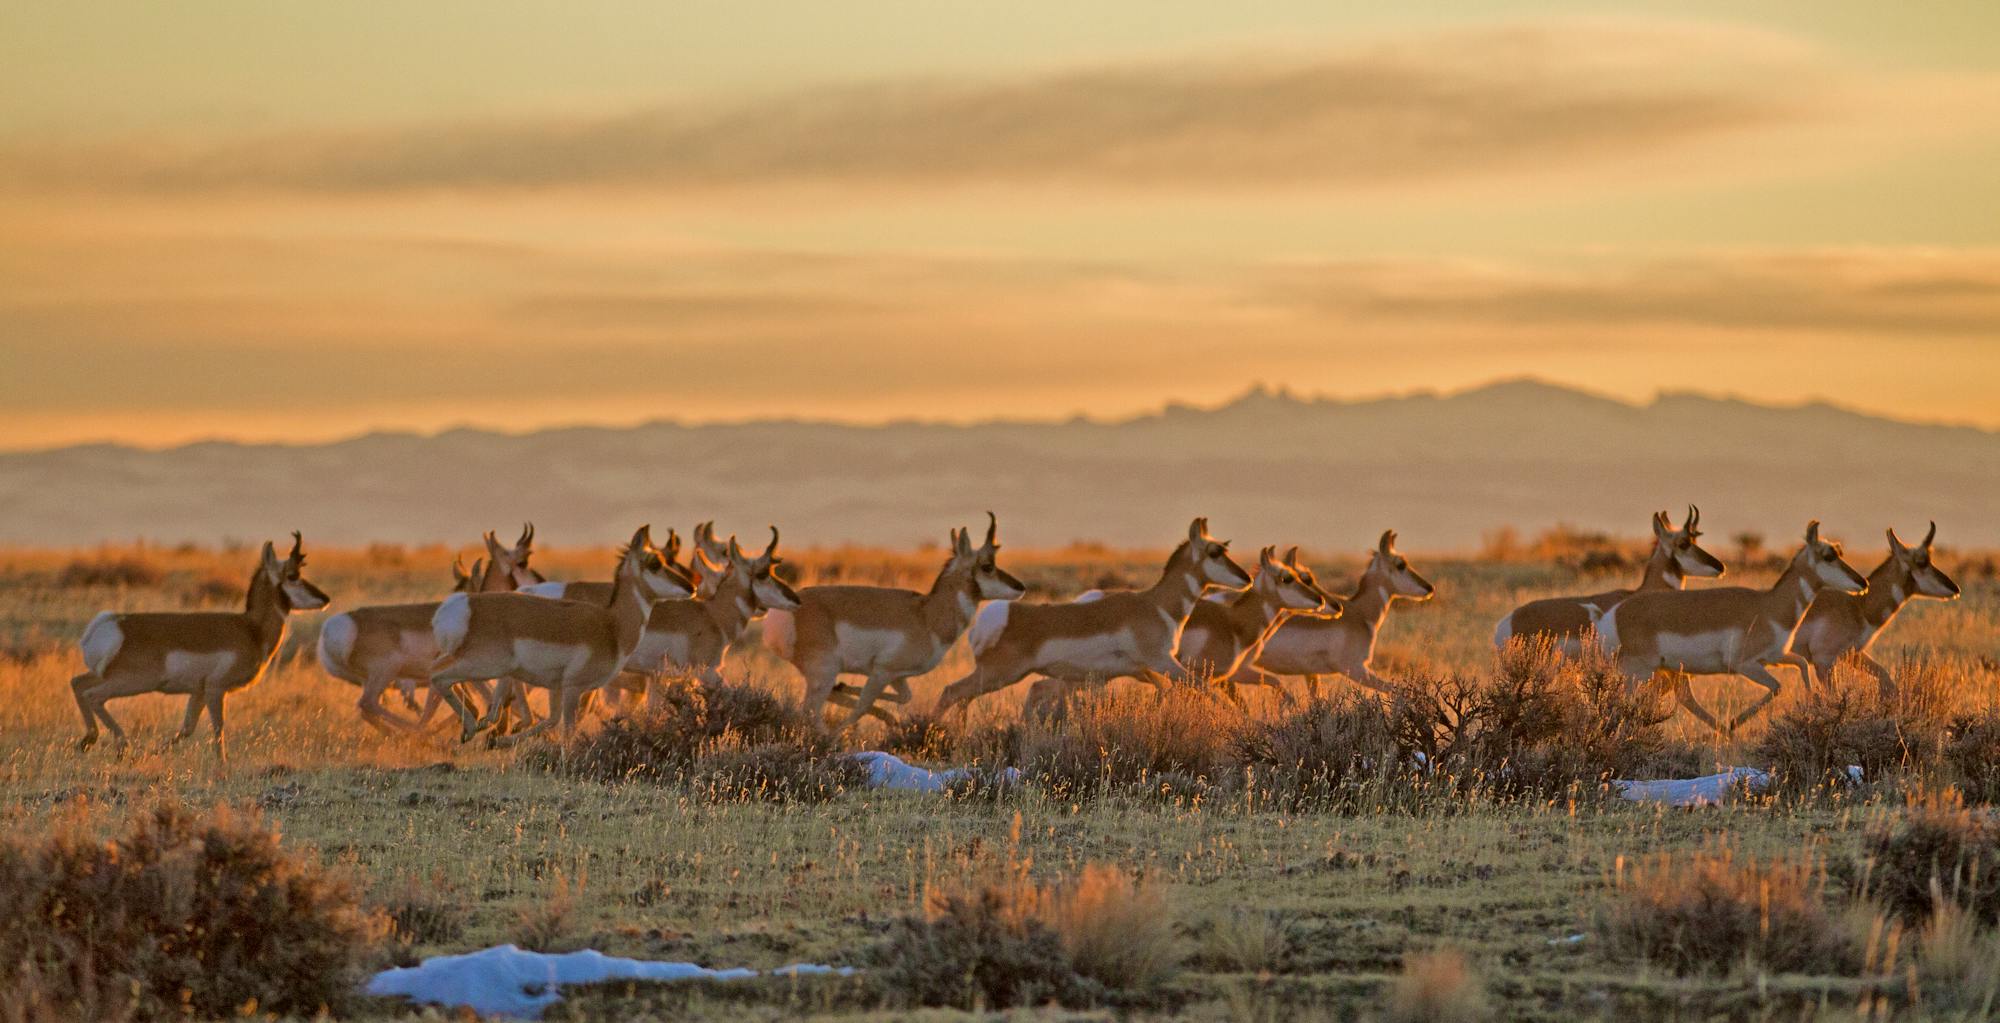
(1267, 468)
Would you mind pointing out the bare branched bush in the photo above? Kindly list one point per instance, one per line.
(1175, 743)
(1937, 849)
(182, 913)
(1810, 745)
(1712, 912)
(1335, 753)
(1969, 756)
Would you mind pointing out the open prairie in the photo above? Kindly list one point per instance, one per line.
(1206, 874)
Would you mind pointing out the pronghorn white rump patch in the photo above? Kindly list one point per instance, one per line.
(336, 642)
(780, 633)
(551, 590)
(1607, 632)
(451, 622)
(101, 640)
(987, 625)
(1504, 630)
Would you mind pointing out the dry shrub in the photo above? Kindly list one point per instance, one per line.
(1810, 744)
(422, 912)
(1010, 942)
(1245, 940)
(1969, 756)
(181, 914)
(548, 923)
(128, 570)
(1936, 850)
(1437, 987)
(921, 736)
(1324, 754)
(725, 742)
(1711, 912)
(1175, 743)
(1958, 964)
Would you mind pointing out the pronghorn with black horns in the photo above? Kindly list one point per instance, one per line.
(569, 647)
(688, 636)
(1313, 647)
(1564, 621)
(1121, 633)
(1726, 630)
(1840, 625)
(709, 561)
(598, 591)
(1222, 636)
(200, 654)
(392, 644)
(886, 634)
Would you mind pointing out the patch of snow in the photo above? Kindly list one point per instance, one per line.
(1706, 790)
(888, 771)
(508, 981)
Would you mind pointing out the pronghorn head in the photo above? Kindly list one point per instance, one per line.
(1927, 579)
(1821, 562)
(1389, 565)
(1290, 585)
(766, 589)
(295, 593)
(650, 567)
(1211, 558)
(981, 564)
(710, 559)
(463, 581)
(507, 567)
(1679, 544)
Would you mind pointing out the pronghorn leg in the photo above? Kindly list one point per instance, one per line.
(382, 718)
(78, 686)
(1885, 681)
(1762, 676)
(851, 697)
(1312, 687)
(1373, 681)
(1686, 695)
(190, 717)
(864, 702)
(559, 702)
(216, 692)
(1803, 666)
(443, 681)
(981, 680)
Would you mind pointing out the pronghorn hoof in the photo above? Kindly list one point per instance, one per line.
(86, 742)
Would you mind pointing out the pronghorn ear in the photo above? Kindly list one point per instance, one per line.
(1388, 542)
(1812, 532)
(492, 542)
(1265, 556)
(961, 543)
(458, 571)
(643, 538)
(1896, 544)
(270, 555)
(735, 552)
(1292, 557)
(1662, 525)
(478, 568)
(1196, 529)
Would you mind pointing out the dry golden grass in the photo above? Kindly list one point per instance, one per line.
(470, 843)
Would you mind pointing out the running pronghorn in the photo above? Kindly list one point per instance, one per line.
(567, 646)
(200, 654)
(1313, 647)
(688, 636)
(391, 644)
(1222, 636)
(1563, 621)
(888, 635)
(1726, 629)
(1123, 632)
(1840, 624)
(598, 591)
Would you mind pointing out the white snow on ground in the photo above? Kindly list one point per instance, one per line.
(1707, 790)
(888, 771)
(507, 981)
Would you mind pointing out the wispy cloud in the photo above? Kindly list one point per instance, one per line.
(1432, 107)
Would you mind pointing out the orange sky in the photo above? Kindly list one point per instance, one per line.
(286, 223)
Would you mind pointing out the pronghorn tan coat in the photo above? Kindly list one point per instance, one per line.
(1123, 632)
(1840, 625)
(887, 635)
(566, 646)
(1312, 647)
(203, 655)
(1726, 630)
(688, 636)
(1564, 621)
(392, 644)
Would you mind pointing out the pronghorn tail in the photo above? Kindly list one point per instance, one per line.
(336, 643)
(987, 625)
(451, 623)
(1503, 630)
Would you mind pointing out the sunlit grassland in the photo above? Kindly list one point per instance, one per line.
(657, 872)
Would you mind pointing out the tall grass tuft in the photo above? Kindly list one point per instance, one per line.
(1711, 912)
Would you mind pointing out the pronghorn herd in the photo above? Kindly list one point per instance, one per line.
(504, 629)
